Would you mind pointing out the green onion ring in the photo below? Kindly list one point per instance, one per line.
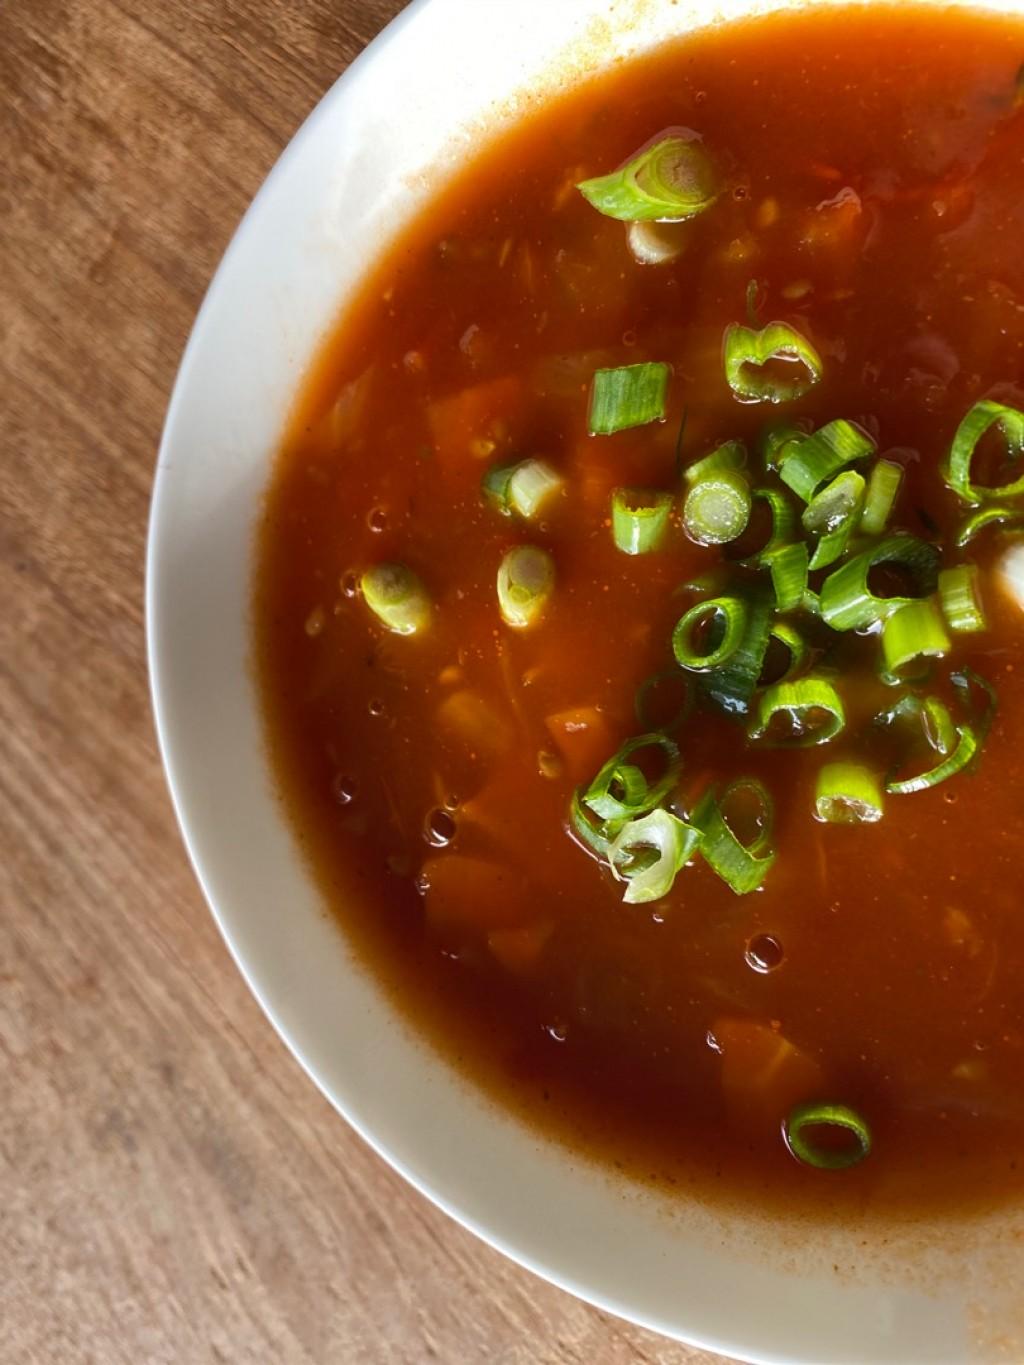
(812, 1115)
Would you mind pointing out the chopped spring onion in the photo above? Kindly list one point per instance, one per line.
(832, 516)
(669, 181)
(964, 680)
(788, 567)
(835, 1116)
(526, 579)
(981, 418)
(783, 519)
(664, 700)
(654, 243)
(670, 838)
(747, 355)
(597, 835)
(621, 791)
(812, 707)
(911, 634)
(805, 465)
(955, 762)
(848, 794)
(794, 644)
(522, 487)
(397, 597)
(639, 519)
(725, 621)
(730, 455)
(716, 508)
(732, 684)
(847, 601)
(774, 441)
(961, 605)
(930, 715)
(629, 396)
(883, 489)
(994, 515)
(743, 866)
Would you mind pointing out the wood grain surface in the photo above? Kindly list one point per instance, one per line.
(172, 1188)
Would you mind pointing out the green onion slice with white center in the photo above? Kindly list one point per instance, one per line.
(396, 597)
(523, 488)
(716, 508)
(673, 842)
(526, 580)
(668, 181)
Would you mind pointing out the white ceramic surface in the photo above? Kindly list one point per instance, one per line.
(363, 161)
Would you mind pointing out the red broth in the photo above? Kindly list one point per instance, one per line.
(871, 162)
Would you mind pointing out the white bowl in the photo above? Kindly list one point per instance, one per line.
(363, 162)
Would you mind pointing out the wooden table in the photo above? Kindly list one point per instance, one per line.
(172, 1188)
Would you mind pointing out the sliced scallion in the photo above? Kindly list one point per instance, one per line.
(788, 566)
(966, 682)
(848, 794)
(911, 635)
(993, 515)
(742, 865)
(724, 619)
(639, 519)
(812, 708)
(929, 715)
(964, 751)
(961, 605)
(671, 839)
(716, 508)
(621, 790)
(832, 515)
(731, 685)
(629, 396)
(839, 1117)
(783, 525)
(883, 489)
(526, 580)
(774, 441)
(730, 455)
(397, 597)
(806, 464)
(981, 418)
(594, 833)
(795, 646)
(667, 182)
(521, 488)
(847, 601)
(753, 361)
